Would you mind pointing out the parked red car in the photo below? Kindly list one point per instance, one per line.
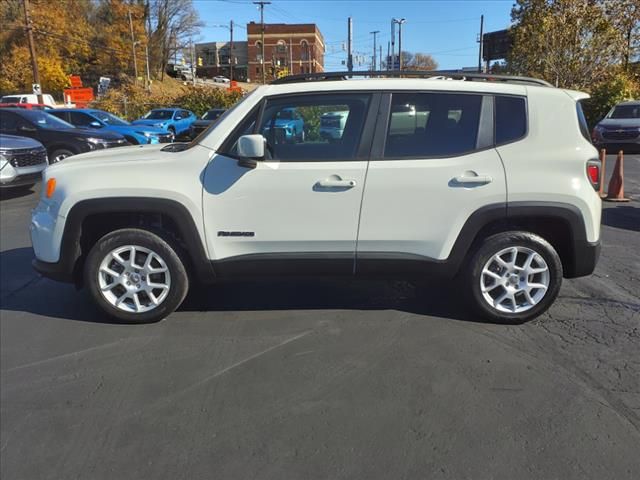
(30, 106)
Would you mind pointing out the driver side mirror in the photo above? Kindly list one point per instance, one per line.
(250, 150)
(27, 128)
(95, 125)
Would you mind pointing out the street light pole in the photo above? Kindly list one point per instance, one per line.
(231, 51)
(399, 22)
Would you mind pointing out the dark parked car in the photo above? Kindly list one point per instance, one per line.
(61, 139)
(620, 128)
(207, 119)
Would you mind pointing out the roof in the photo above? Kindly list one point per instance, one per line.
(381, 84)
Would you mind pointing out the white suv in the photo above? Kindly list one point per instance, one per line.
(490, 181)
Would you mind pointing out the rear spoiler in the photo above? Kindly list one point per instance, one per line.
(576, 95)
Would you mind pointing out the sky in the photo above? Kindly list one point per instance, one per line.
(446, 29)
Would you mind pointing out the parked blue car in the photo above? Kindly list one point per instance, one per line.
(91, 118)
(174, 120)
(288, 126)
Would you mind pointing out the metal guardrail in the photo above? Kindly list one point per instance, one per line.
(467, 76)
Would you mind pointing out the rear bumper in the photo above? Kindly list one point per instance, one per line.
(585, 259)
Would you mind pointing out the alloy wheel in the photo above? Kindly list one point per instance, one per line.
(134, 279)
(514, 280)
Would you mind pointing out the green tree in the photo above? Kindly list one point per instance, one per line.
(571, 43)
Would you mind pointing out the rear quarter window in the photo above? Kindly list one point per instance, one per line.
(511, 119)
(582, 121)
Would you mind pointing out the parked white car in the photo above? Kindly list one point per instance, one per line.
(221, 79)
(29, 98)
(495, 185)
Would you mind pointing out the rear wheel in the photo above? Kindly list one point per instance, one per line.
(513, 277)
(136, 276)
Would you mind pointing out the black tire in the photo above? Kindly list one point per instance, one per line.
(60, 152)
(493, 245)
(153, 241)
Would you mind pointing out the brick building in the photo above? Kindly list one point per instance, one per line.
(289, 49)
(216, 58)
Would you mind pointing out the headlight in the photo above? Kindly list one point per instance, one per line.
(146, 134)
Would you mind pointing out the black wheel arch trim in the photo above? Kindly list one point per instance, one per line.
(66, 267)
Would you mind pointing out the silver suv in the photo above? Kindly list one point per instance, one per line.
(620, 128)
(22, 161)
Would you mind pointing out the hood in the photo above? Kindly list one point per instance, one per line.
(137, 128)
(10, 142)
(202, 123)
(150, 122)
(111, 156)
(615, 123)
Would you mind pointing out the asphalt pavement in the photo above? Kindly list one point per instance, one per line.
(322, 379)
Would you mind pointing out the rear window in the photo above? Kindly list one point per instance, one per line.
(511, 119)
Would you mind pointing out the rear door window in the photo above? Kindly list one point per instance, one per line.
(511, 119)
(423, 125)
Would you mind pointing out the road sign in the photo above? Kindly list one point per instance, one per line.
(75, 81)
(79, 96)
(496, 45)
(36, 89)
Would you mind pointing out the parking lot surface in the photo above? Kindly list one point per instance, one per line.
(322, 379)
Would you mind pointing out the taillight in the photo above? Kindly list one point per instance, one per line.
(593, 172)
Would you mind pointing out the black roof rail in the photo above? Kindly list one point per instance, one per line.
(445, 74)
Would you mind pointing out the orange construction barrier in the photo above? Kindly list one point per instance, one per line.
(615, 192)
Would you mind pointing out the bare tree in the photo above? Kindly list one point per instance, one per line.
(171, 24)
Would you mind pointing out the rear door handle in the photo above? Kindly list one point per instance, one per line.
(473, 179)
(336, 182)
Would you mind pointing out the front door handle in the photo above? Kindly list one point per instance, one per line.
(473, 179)
(334, 181)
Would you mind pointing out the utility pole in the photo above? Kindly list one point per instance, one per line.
(380, 57)
(146, 51)
(192, 51)
(231, 59)
(133, 49)
(388, 54)
(350, 44)
(262, 4)
(399, 22)
(480, 41)
(393, 44)
(32, 48)
(375, 50)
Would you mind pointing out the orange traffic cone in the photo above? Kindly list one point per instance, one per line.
(603, 166)
(615, 192)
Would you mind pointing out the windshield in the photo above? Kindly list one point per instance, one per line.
(625, 111)
(45, 120)
(108, 118)
(159, 115)
(212, 114)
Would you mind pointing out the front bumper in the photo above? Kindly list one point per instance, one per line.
(11, 176)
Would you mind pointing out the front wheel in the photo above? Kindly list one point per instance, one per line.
(513, 277)
(59, 155)
(136, 276)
